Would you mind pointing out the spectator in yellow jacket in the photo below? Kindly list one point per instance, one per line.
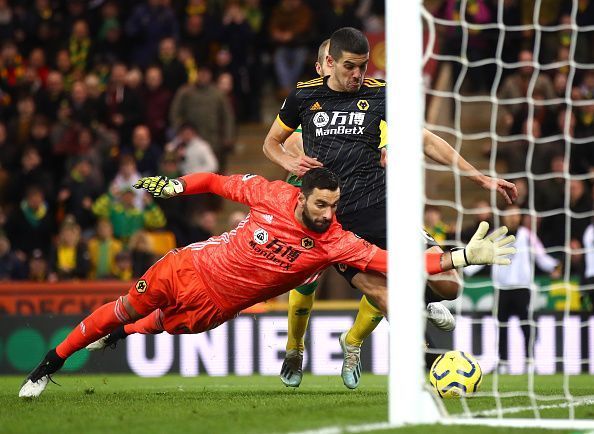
(103, 249)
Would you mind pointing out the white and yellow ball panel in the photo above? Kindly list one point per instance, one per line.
(455, 374)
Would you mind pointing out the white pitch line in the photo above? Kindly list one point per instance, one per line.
(347, 429)
(511, 410)
(486, 413)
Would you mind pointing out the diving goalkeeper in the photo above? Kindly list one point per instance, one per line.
(276, 248)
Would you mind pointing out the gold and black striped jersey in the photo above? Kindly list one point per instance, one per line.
(343, 131)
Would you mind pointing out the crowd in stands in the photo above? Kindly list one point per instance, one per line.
(545, 130)
(95, 94)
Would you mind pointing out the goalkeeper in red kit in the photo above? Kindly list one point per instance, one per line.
(290, 235)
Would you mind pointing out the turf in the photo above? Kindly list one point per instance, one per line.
(174, 404)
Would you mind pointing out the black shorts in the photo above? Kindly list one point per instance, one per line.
(369, 224)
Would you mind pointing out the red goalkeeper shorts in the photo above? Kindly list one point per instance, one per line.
(173, 284)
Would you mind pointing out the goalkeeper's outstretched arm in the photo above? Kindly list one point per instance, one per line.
(194, 183)
(481, 249)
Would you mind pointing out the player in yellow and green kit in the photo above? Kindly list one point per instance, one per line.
(301, 298)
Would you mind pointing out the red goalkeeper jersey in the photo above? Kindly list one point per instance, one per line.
(269, 252)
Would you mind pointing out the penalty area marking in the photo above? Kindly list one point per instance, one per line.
(453, 421)
(511, 410)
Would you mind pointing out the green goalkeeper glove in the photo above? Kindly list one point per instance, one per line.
(482, 250)
(160, 186)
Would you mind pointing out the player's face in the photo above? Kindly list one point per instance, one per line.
(349, 70)
(319, 209)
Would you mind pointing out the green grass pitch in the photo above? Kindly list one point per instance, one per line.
(174, 404)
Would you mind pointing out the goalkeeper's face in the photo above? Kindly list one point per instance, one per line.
(319, 208)
(349, 71)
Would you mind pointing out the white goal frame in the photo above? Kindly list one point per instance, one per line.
(410, 402)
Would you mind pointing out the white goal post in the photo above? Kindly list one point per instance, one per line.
(410, 402)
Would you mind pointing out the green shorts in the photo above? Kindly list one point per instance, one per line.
(294, 180)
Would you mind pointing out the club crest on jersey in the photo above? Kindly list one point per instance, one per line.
(268, 218)
(362, 104)
(307, 243)
(247, 176)
(321, 119)
(315, 106)
(141, 286)
(260, 236)
(342, 267)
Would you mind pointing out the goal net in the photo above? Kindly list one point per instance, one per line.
(510, 85)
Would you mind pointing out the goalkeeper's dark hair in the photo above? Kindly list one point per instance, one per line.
(348, 39)
(320, 178)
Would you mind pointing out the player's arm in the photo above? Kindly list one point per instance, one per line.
(283, 126)
(439, 150)
(294, 144)
(246, 189)
(481, 249)
(361, 254)
(273, 149)
(195, 183)
(434, 262)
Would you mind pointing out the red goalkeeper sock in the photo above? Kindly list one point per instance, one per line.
(149, 325)
(98, 324)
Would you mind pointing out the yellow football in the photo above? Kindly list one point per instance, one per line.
(455, 374)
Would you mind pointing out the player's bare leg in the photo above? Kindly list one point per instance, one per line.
(101, 322)
(375, 287)
(446, 285)
(374, 304)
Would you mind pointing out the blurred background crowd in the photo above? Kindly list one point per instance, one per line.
(542, 74)
(95, 94)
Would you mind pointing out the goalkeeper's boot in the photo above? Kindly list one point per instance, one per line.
(292, 371)
(38, 379)
(441, 317)
(351, 364)
(111, 340)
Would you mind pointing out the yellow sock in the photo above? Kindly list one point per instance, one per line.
(299, 312)
(367, 320)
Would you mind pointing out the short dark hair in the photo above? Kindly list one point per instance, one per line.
(348, 39)
(321, 178)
